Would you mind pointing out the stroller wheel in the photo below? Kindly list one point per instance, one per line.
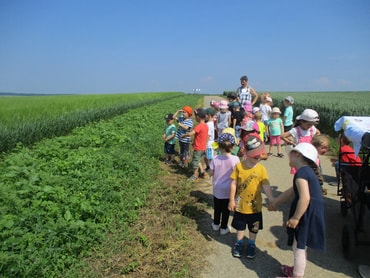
(343, 208)
(348, 241)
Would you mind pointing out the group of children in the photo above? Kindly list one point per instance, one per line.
(238, 180)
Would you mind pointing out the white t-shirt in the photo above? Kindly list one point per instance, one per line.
(266, 111)
(211, 133)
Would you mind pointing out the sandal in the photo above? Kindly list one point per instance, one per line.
(286, 270)
(269, 154)
(280, 155)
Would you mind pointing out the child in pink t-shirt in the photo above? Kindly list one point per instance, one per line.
(221, 167)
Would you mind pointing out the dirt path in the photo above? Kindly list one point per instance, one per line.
(272, 250)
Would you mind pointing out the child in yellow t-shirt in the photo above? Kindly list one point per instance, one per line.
(249, 178)
(261, 125)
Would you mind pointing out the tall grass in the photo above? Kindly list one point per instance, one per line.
(330, 105)
(29, 119)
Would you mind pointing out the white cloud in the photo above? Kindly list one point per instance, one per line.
(323, 81)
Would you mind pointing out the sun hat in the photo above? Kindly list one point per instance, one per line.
(307, 150)
(210, 111)
(169, 117)
(309, 115)
(254, 145)
(229, 130)
(255, 109)
(201, 113)
(276, 110)
(226, 137)
(250, 126)
(188, 110)
(223, 104)
(269, 99)
(290, 99)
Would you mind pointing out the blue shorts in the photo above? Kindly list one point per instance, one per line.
(169, 148)
(253, 221)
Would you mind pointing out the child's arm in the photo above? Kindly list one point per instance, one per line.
(268, 191)
(303, 202)
(189, 134)
(232, 205)
(288, 138)
(282, 198)
(169, 137)
(281, 127)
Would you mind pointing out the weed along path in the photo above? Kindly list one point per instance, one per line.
(272, 250)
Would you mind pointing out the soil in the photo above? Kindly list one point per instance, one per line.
(272, 250)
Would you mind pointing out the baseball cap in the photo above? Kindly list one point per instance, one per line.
(254, 146)
(169, 117)
(188, 110)
(201, 113)
(210, 111)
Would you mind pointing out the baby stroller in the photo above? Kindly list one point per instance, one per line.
(354, 182)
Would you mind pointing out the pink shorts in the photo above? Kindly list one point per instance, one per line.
(275, 140)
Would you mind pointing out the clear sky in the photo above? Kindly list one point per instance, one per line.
(123, 46)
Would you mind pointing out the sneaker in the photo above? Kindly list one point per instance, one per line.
(280, 155)
(215, 227)
(251, 251)
(286, 270)
(269, 154)
(238, 249)
(224, 231)
(193, 179)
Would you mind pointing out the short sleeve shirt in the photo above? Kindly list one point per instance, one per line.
(200, 137)
(180, 131)
(170, 129)
(288, 114)
(249, 181)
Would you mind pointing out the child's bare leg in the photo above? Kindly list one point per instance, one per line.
(279, 148)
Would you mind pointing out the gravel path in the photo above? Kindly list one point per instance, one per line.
(272, 250)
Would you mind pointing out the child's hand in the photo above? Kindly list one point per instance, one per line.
(292, 223)
(231, 205)
(272, 205)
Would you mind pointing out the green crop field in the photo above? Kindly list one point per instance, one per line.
(330, 105)
(29, 119)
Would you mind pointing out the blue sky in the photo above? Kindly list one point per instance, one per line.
(122, 46)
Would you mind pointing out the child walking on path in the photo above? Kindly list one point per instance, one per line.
(185, 124)
(249, 178)
(306, 223)
(169, 139)
(200, 133)
(223, 117)
(222, 166)
(275, 130)
(211, 136)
